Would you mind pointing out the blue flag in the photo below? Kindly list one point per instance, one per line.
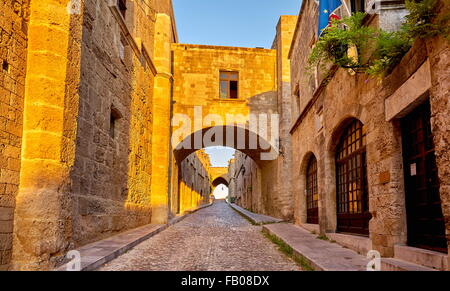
(327, 12)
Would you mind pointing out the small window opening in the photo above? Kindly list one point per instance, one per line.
(114, 117)
(122, 5)
(5, 66)
(358, 6)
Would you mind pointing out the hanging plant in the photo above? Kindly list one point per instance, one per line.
(389, 51)
(346, 41)
(343, 35)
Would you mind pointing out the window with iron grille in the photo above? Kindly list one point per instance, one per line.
(352, 192)
(229, 85)
(312, 193)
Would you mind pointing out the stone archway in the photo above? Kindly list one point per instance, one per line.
(256, 147)
(220, 181)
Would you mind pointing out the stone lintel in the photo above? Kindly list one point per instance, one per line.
(411, 93)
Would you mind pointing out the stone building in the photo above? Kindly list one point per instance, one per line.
(80, 82)
(194, 182)
(245, 187)
(274, 196)
(95, 85)
(371, 157)
(91, 93)
(205, 113)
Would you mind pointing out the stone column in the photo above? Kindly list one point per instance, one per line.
(161, 119)
(42, 225)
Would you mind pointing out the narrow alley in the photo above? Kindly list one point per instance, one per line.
(213, 239)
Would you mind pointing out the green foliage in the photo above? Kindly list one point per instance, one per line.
(390, 48)
(323, 237)
(287, 250)
(386, 48)
(336, 41)
(422, 21)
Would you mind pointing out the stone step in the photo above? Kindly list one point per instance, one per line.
(426, 258)
(255, 218)
(389, 264)
(321, 255)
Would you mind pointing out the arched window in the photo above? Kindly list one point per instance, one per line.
(352, 195)
(312, 193)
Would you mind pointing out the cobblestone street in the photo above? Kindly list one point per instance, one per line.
(213, 239)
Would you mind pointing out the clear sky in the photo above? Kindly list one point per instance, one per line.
(220, 156)
(221, 192)
(245, 23)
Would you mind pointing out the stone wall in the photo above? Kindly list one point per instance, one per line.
(282, 43)
(246, 186)
(323, 108)
(439, 56)
(196, 80)
(13, 44)
(194, 184)
(88, 125)
(112, 175)
(43, 215)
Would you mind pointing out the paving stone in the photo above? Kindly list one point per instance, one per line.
(213, 239)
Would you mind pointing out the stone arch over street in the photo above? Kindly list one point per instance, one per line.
(247, 142)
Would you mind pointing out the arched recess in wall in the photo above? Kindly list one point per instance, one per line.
(312, 191)
(347, 160)
(301, 200)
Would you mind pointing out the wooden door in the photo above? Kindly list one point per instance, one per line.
(426, 225)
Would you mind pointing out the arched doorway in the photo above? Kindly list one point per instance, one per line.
(312, 193)
(352, 199)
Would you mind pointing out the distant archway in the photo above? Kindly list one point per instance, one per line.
(221, 191)
(220, 181)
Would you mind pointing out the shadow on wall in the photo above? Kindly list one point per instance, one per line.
(193, 186)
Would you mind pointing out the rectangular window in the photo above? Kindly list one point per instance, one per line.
(5, 66)
(114, 117)
(297, 104)
(122, 5)
(229, 85)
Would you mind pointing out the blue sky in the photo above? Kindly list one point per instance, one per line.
(246, 23)
(220, 156)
